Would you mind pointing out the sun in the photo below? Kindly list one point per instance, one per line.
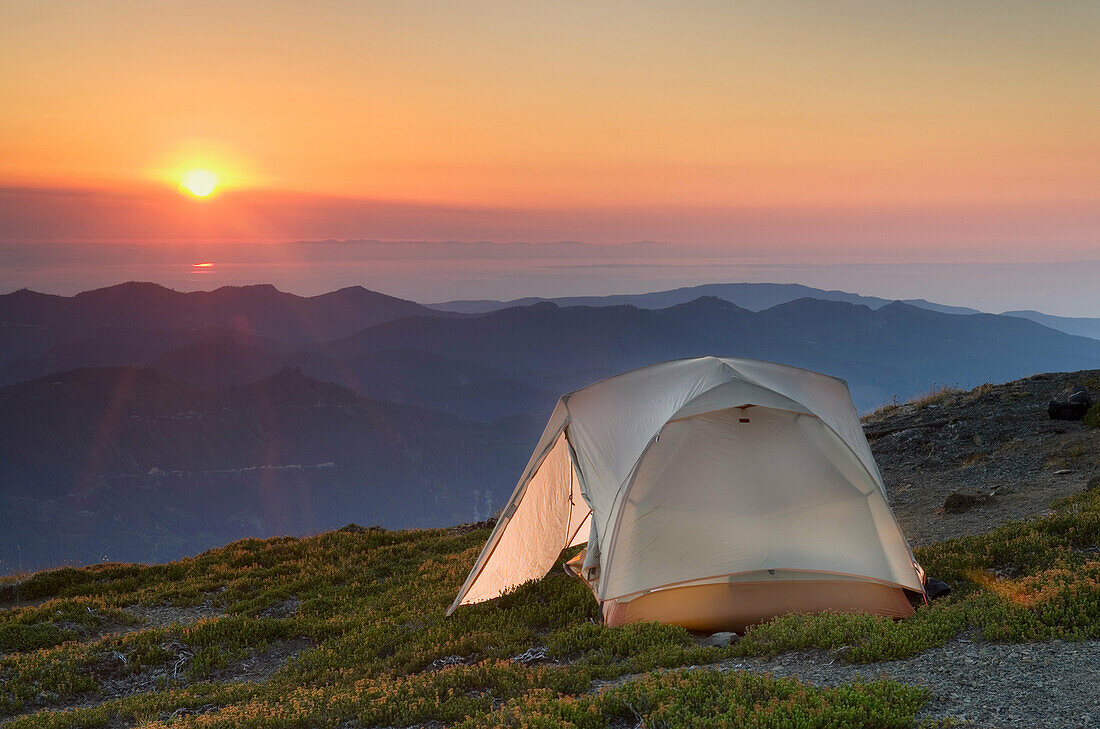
(200, 183)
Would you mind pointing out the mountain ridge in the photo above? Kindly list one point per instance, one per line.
(760, 296)
(259, 309)
(752, 296)
(552, 348)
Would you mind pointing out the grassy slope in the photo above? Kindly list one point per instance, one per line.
(382, 654)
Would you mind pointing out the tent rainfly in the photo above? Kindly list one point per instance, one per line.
(713, 493)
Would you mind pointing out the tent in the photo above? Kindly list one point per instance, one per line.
(712, 493)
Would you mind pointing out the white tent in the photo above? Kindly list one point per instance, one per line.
(712, 493)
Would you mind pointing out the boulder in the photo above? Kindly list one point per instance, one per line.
(934, 588)
(1072, 408)
(719, 640)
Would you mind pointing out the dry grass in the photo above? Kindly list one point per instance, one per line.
(972, 460)
(939, 393)
(881, 412)
(980, 391)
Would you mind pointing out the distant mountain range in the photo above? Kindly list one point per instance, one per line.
(31, 323)
(760, 296)
(751, 296)
(142, 423)
(897, 349)
(1080, 325)
(127, 465)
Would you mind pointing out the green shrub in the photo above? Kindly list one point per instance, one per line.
(1092, 417)
(718, 700)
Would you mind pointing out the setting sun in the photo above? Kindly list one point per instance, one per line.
(200, 183)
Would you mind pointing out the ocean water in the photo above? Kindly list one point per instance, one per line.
(433, 272)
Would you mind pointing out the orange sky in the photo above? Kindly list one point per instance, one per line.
(860, 106)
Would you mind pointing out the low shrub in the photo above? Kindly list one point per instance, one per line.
(718, 700)
(372, 604)
(1092, 417)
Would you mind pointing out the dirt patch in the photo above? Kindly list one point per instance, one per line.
(284, 609)
(976, 683)
(155, 616)
(958, 503)
(261, 665)
(116, 680)
(159, 616)
(10, 597)
(980, 684)
(996, 440)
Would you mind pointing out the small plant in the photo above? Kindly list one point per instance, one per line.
(882, 411)
(980, 391)
(1092, 417)
(716, 700)
(936, 395)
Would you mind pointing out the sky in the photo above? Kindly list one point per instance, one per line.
(797, 134)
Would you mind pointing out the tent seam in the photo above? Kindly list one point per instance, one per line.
(708, 580)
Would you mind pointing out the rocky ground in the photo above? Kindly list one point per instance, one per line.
(978, 684)
(116, 681)
(995, 445)
(983, 685)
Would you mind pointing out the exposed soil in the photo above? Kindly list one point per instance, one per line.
(993, 448)
(990, 685)
(116, 681)
(14, 602)
(162, 615)
(983, 685)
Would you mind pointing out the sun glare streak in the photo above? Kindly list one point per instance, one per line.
(108, 427)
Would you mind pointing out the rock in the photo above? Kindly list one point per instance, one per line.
(1093, 483)
(354, 528)
(473, 526)
(934, 588)
(531, 655)
(719, 640)
(447, 661)
(283, 609)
